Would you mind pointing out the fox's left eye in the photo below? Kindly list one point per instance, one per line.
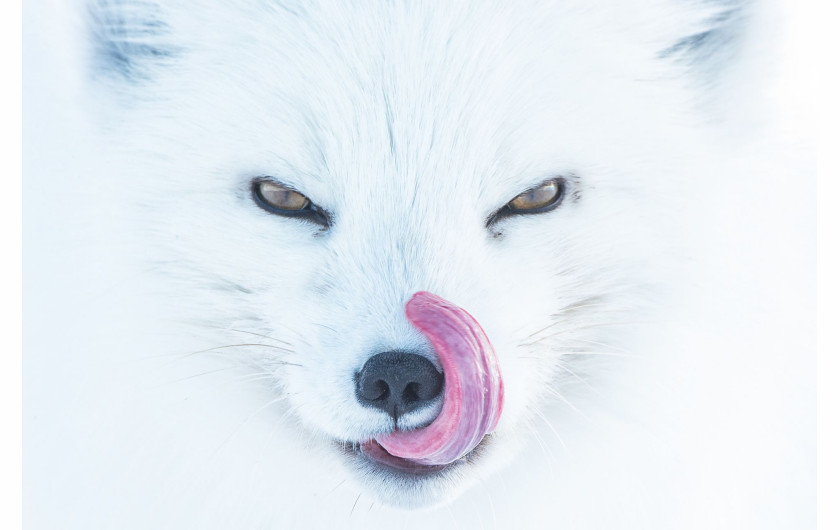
(545, 197)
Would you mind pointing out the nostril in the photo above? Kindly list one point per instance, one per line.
(381, 390)
(373, 390)
(410, 393)
(398, 382)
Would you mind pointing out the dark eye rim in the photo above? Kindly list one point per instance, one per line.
(507, 211)
(311, 212)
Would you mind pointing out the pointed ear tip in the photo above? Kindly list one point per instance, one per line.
(130, 38)
(718, 29)
(725, 32)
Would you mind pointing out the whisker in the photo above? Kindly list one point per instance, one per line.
(244, 422)
(288, 413)
(548, 457)
(560, 321)
(336, 486)
(492, 504)
(452, 514)
(354, 505)
(267, 443)
(621, 350)
(266, 336)
(545, 328)
(580, 353)
(566, 331)
(541, 416)
(255, 377)
(574, 374)
(269, 337)
(575, 329)
(579, 306)
(244, 345)
(194, 376)
(567, 402)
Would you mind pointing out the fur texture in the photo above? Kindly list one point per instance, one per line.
(190, 357)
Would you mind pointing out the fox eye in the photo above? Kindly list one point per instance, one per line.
(282, 200)
(542, 198)
(281, 197)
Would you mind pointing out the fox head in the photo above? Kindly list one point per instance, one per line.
(308, 168)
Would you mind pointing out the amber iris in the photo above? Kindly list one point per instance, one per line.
(539, 197)
(281, 197)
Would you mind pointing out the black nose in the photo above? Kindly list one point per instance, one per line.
(398, 382)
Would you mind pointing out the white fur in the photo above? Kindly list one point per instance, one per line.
(654, 332)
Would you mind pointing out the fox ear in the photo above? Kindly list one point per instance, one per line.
(130, 39)
(729, 55)
(716, 40)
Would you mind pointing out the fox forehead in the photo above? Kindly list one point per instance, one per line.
(343, 104)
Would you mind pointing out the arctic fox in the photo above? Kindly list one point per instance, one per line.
(464, 264)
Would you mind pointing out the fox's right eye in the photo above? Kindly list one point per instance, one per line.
(283, 200)
(281, 197)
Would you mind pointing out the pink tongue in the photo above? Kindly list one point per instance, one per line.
(473, 389)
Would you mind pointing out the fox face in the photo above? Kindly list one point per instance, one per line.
(323, 166)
